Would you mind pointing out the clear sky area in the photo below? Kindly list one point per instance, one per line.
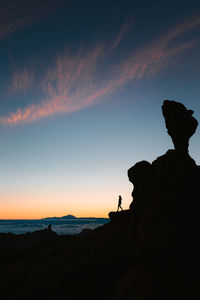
(81, 89)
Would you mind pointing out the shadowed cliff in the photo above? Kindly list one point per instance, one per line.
(150, 251)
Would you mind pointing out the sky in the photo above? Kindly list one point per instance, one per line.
(81, 89)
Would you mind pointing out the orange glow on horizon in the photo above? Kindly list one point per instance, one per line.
(27, 215)
(35, 210)
(43, 206)
(36, 201)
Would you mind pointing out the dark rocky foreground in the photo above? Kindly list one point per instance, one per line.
(150, 251)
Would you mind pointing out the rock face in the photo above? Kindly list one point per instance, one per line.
(140, 175)
(180, 124)
(166, 209)
(171, 169)
(164, 216)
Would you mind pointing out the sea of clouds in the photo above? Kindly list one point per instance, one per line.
(60, 226)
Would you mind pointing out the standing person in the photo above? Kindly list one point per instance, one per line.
(119, 203)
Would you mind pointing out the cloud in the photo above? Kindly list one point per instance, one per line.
(76, 81)
(21, 81)
(12, 19)
(18, 14)
(122, 33)
(146, 63)
(180, 29)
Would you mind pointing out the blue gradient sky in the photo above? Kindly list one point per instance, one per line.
(81, 89)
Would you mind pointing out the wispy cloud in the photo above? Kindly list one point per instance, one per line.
(12, 18)
(17, 14)
(21, 81)
(122, 33)
(75, 81)
(152, 60)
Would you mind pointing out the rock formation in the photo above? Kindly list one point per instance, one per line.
(180, 124)
(140, 175)
(166, 209)
(171, 169)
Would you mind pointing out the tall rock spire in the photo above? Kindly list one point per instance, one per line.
(180, 124)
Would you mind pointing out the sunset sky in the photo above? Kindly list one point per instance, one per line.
(81, 89)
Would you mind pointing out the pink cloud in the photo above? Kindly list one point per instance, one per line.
(150, 61)
(21, 81)
(74, 82)
(18, 14)
(122, 33)
(12, 19)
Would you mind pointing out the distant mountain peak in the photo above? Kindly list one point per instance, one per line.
(68, 217)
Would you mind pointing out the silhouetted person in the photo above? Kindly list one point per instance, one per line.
(50, 227)
(119, 203)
